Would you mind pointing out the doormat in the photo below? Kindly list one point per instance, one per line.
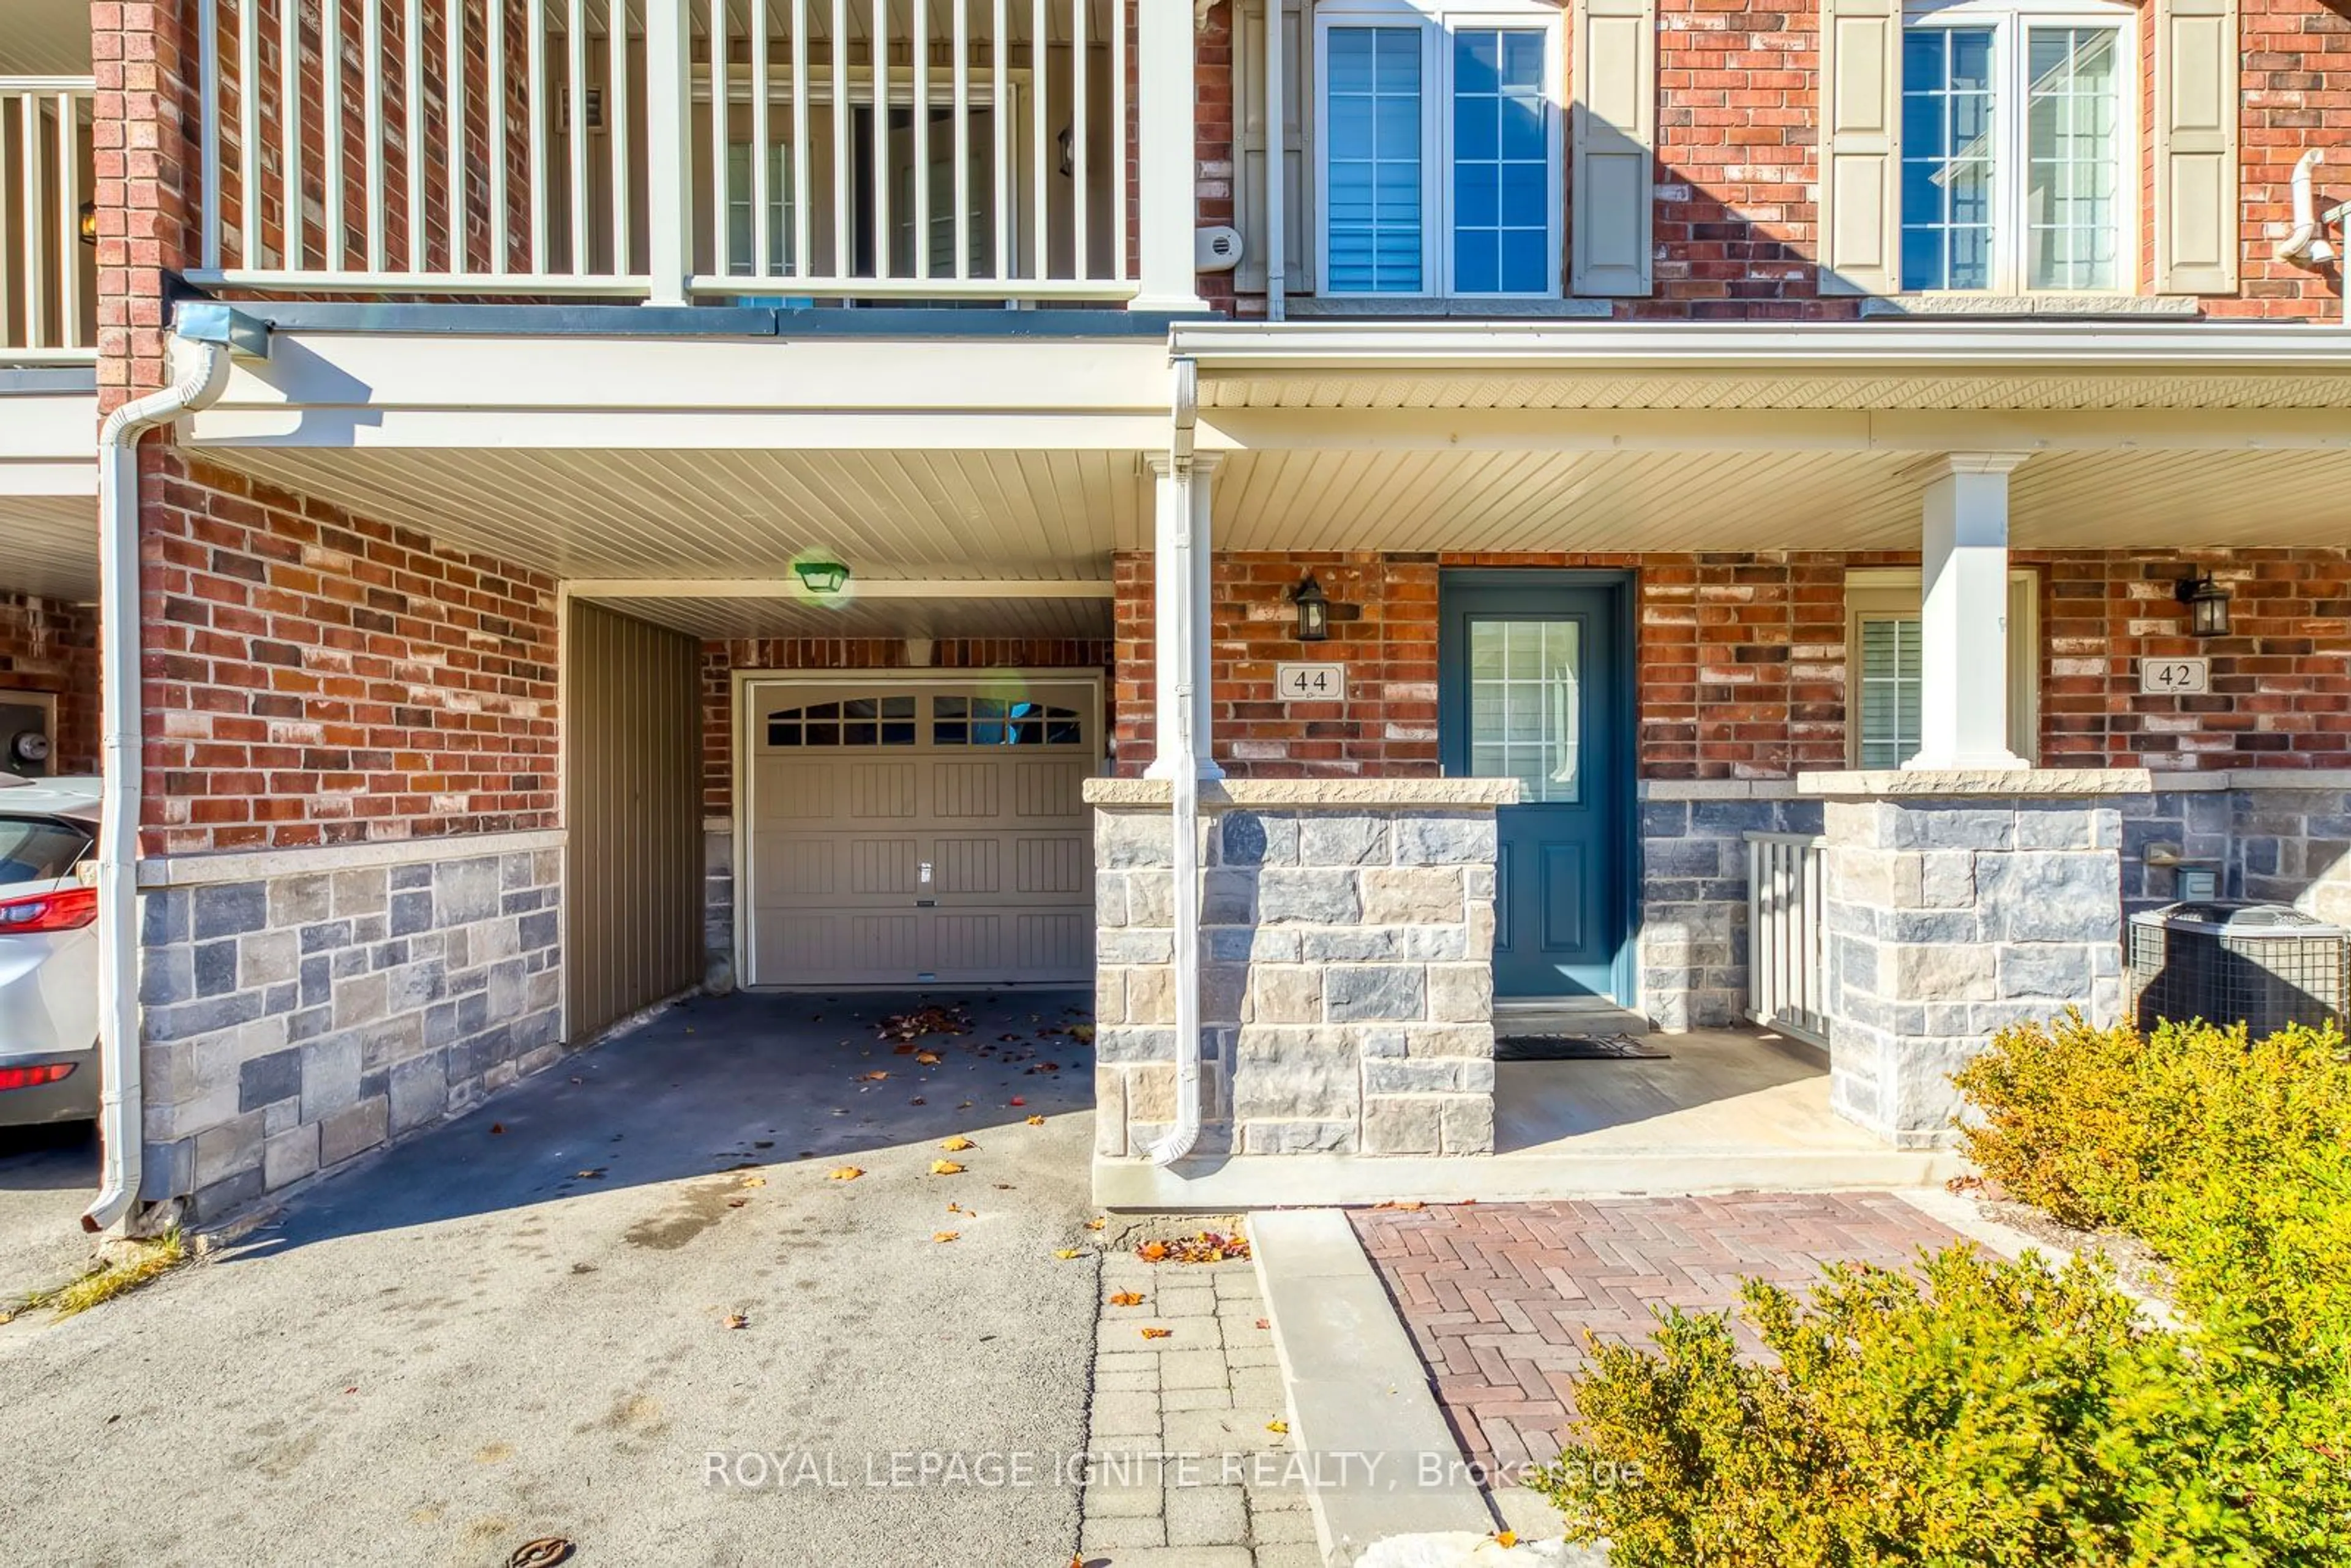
(1576, 1048)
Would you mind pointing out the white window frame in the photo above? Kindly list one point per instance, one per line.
(1437, 21)
(1896, 593)
(2009, 23)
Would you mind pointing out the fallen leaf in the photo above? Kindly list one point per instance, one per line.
(736, 1321)
(1277, 1426)
(755, 1181)
(1017, 1100)
(736, 1202)
(1265, 1322)
(1127, 1299)
(845, 1173)
(1036, 1121)
(877, 1075)
(927, 1058)
(1098, 1222)
(497, 1126)
(957, 1143)
(945, 1167)
(1152, 1252)
(955, 1208)
(1506, 1538)
(917, 1100)
(1068, 1252)
(944, 1235)
(1157, 1333)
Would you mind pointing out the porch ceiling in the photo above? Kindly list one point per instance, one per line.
(1791, 499)
(716, 619)
(51, 546)
(46, 38)
(737, 514)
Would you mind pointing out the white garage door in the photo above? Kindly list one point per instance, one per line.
(903, 833)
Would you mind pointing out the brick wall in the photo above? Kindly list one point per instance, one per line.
(145, 116)
(48, 647)
(314, 677)
(1736, 212)
(2281, 681)
(721, 659)
(1741, 661)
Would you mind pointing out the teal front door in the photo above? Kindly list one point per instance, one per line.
(1534, 671)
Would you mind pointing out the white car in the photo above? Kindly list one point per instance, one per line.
(49, 950)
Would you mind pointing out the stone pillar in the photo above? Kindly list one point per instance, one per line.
(1180, 578)
(1964, 614)
(1347, 934)
(1958, 904)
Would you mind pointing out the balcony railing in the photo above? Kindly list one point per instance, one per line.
(1785, 989)
(48, 282)
(820, 150)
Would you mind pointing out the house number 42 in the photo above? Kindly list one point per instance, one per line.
(1311, 683)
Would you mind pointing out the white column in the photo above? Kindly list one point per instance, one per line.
(669, 199)
(1165, 156)
(1963, 614)
(1183, 655)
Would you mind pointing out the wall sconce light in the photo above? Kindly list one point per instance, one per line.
(1314, 610)
(1069, 142)
(821, 576)
(2207, 606)
(89, 224)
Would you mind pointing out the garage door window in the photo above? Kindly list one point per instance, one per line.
(853, 721)
(1002, 721)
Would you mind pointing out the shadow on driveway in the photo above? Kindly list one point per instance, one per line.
(710, 1084)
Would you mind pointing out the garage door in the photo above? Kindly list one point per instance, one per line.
(902, 833)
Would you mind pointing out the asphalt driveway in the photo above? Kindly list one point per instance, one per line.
(48, 1176)
(516, 1325)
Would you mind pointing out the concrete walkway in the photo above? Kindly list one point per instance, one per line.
(514, 1327)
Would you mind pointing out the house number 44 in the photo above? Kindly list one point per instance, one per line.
(1311, 683)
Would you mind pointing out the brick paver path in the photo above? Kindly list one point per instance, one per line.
(1498, 1296)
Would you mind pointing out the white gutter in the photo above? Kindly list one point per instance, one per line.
(1180, 757)
(121, 1106)
(1829, 346)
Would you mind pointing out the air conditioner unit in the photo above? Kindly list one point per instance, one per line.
(2265, 966)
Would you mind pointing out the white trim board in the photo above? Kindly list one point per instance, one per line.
(310, 860)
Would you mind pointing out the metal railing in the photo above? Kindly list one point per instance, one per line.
(1785, 986)
(47, 273)
(949, 150)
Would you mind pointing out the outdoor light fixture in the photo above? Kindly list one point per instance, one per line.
(822, 576)
(1314, 610)
(2207, 606)
(89, 225)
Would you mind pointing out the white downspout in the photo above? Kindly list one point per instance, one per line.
(2306, 247)
(1179, 758)
(121, 1102)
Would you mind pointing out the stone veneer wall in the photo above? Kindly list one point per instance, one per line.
(332, 1000)
(2279, 838)
(1347, 932)
(1694, 939)
(1958, 904)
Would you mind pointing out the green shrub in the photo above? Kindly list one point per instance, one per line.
(1989, 1412)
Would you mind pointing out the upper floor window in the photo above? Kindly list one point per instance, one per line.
(2016, 148)
(1440, 138)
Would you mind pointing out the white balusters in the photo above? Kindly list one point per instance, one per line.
(1784, 985)
(43, 306)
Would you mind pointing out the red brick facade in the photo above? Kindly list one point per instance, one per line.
(720, 660)
(48, 647)
(314, 677)
(1736, 216)
(1742, 662)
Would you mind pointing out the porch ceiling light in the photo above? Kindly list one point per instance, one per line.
(821, 576)
(1314, 610)
(2207, 606)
